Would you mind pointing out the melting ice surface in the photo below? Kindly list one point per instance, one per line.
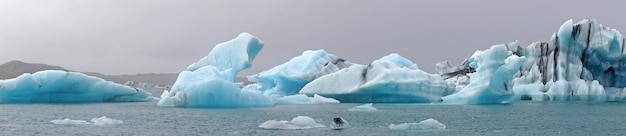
(364, 107)
(300, 122)
(428, 124)
(52, 86)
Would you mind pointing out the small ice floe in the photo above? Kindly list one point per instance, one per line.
(304, 99)
(339, 123)
(102, 121)
(428, 124)
(68, 121)
(300, 122)
(364, 107)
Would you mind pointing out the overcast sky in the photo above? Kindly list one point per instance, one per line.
(165, 36)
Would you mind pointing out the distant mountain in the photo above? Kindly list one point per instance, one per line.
(16, 68)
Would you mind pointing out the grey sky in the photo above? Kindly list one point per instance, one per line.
(164, 36)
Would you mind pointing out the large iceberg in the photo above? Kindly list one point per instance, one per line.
(53, 86)
(582, 61)
(288, 78)
(210, 82)
(392, 78)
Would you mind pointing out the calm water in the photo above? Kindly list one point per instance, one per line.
(522, 118)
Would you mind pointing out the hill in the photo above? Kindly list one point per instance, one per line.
(16, 68)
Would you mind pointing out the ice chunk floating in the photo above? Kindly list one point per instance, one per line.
(52, 86)
(102, 121)
(210, 82)
(303, 99)
(364, 107)
(428, 124)
(300, 122)
(68, 121)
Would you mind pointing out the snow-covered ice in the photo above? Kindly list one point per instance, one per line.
(428, 124)
(300, 122)
(364, 107)
(53, 86)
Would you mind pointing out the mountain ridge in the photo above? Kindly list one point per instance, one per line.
(16, 68)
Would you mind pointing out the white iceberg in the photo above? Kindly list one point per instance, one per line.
(53, 86)
(210, 82)
(288, 78)
(428, 124)
(392, 78)
(364, 107)
(300, 122)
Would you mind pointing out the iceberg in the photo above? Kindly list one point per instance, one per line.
(210, 82)
(491, 83)
(428, 124)
(53, 86)
(288, 78)
(300, 122)
(364, 107)
(303, 99)
(392, 78)
(581, 62)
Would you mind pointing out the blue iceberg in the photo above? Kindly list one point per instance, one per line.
(53, 86)
(210, 82)
(582, 61)
(491, 83)
(288, 78)
(391, 79)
